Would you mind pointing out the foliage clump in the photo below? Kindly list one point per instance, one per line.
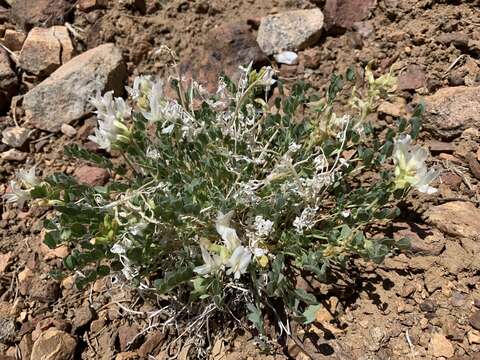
(229, 198)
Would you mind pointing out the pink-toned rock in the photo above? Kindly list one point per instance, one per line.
(45, 50)
(90, 175)
(30, 13)
(451, 110)
(87, 5)
(342, 14)
(227, 47)
(411, 79)
(14, 39)
(126, 334)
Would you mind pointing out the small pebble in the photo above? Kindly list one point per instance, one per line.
(287, 58)
(68, 130)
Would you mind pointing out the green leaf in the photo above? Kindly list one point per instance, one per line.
(307, 298)
(173, 279)
(255, 316)
(310, 313)
(350, 75)
(403, 244)
(76, 151)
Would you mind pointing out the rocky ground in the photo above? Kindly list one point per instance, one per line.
(422, 304)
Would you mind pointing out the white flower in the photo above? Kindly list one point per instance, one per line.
(142, 85)
(306, 220)
(111, 115)
(267, 79)
(20, 190)
(263, 227)
(239, 261)
(320, 162)
(152, 153)
(228, 234)
(294, 147)
(17, 195)
(28, 177)
(410, 166)
(211, 262)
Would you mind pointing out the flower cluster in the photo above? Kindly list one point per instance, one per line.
(231, 191)
(410, 166)
(20, 189)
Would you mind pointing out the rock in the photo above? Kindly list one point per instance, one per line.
(128, 355)
(286, 57)
(474, 320)
(83, 317)
(428, 306)
(68, 130)
(8, 81)
(63, 97)
(25, 280)
(473, 337)
(153, 340)
(451, 110)
(291, 30)
(45, 50)
(458, 299)
(440, 346)
(87, 5)
(364, 28)
(226, 48)
(13, 155)
(375, 337)
(54, 344)
(28, 13)
(343, 14)
(455, 258)
(459, 40)
(434, 279)
(5, 261)
(411, 79)
(126, 334)
(311, 58)
(92, 176)
(436, 147)
(457, 218)
(7, 330)
(395, 109)
(15, 136)
(45, 291)
(14, 39)
(25, 346)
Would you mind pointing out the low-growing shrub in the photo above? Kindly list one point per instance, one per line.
(227, 199)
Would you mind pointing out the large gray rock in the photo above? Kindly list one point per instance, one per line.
(290, 31)
(64, 96)
(8, 81)
(452, 110)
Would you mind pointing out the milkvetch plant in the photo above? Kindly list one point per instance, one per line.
(230, 197)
